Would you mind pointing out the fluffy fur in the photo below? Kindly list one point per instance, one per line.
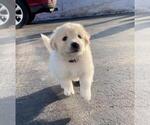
(71, 62)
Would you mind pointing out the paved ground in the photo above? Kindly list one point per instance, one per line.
(40, 100)
(142, 69)
(7, 76)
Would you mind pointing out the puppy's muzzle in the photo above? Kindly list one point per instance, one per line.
(75, 47)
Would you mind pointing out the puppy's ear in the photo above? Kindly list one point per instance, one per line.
(52, 42)
(87, 37)
(45, 38)
(46, 41)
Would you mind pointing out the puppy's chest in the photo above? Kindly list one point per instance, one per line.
(66, 70)
(73, 70)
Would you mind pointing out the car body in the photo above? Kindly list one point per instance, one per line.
(37, 6)
(31, 7)
(25, 11)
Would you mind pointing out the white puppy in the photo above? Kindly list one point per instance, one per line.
(70, 58)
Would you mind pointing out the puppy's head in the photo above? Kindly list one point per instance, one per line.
(70, 39)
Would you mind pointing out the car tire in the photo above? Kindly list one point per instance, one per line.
(32, 16)
(22, 14)
(6, 13)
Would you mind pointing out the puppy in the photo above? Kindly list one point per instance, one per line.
(71, 58)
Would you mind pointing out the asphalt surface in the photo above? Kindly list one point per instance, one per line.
(40, 101)
(7, 76)
(142, 69)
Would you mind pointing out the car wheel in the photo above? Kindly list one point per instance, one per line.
(5, 14)
(32, 16)
(22, 14)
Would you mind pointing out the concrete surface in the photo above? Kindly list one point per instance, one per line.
(7, 76)
(78, 8)
(142, 69)
(40, 101)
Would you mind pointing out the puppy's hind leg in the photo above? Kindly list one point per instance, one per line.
(68, 87)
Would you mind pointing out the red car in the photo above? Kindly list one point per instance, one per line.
(25, 10)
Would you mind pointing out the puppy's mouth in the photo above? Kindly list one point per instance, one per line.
(74, 50)
(73, 53)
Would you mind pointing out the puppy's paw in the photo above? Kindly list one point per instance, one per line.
(86, 95)
(68, 92)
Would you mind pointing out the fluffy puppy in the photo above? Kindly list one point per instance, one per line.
(71, 58)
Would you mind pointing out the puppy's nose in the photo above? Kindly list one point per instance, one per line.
(75, 45)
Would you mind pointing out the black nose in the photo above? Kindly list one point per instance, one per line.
(74, 45)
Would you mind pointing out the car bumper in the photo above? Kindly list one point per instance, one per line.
(42, 8)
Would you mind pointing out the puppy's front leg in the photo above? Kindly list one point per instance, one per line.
(68, 87)
(85, 87)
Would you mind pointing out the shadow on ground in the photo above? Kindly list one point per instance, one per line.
(84, 18)
(30, 106)
(57, 122)
(105, 33)
(142, 21)
(142, 26)
(113, 30)
(110, 20)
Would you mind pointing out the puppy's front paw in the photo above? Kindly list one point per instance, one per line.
(86, 95)
(68, 92)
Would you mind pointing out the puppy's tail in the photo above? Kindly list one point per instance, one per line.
(46, 41)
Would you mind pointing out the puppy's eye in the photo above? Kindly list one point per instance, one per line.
(79, 36)
(64, 38)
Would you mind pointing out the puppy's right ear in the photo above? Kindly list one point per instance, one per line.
(45, 38)
(46, 41)
(52, 41)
